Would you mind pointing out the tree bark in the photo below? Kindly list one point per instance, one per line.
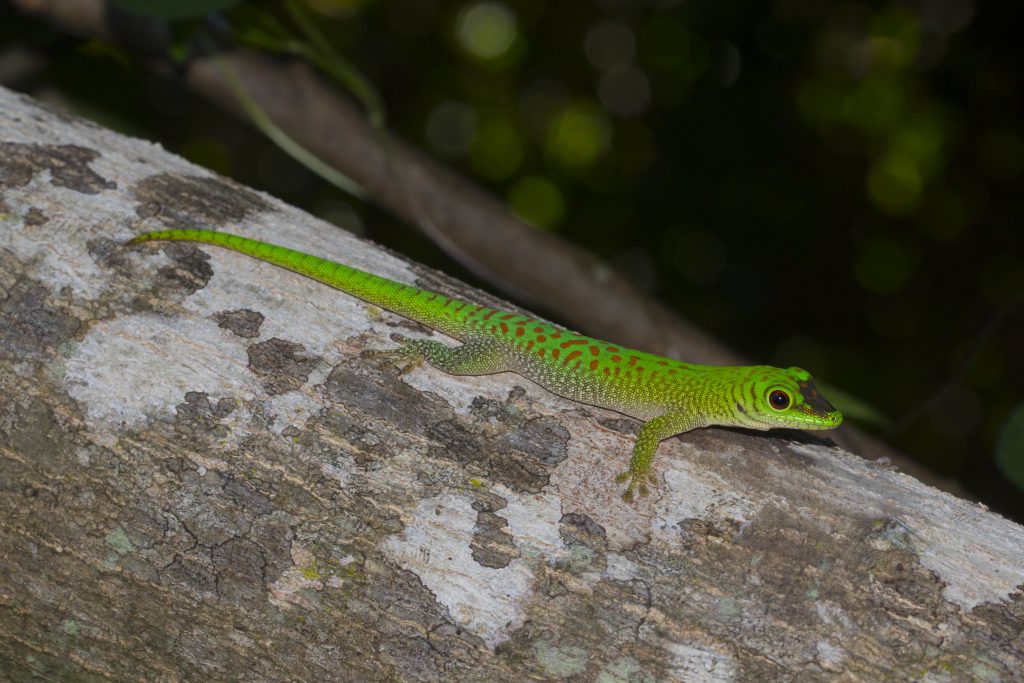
(201, 478)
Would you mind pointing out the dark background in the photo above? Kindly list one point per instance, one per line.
(835, 185)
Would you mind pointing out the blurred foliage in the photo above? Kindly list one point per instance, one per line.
(836, 185)
(174, 9)
(1011, 446)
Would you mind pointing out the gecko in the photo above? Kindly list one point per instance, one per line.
(667, 396)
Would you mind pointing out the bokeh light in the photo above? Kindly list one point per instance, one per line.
(486, 30)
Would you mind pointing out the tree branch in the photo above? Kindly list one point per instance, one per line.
(201, 478)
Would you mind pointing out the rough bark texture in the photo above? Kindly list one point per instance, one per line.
(202, 479)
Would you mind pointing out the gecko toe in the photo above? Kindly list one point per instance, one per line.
(636, 485)
(411, 365)
(391, 360)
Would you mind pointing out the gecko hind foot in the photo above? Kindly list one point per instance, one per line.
(404, 359)
(638, 482)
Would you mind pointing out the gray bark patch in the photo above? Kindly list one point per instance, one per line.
(1003, 621)
(612, 614)
(491, 454)
(283, 365)
(543, 439)
(198, 412)
(492, 545)
(68, 166)
(243, 322)
(497, 441)
(35, 217)
(384, 396)
(30, 323)
(587, 541)
(110, 254)
(240, 566)
(191, 269)
(190, 202)
(34, 429)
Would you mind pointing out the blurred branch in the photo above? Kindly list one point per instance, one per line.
(980, 339)
(19, 64)
(537, 267)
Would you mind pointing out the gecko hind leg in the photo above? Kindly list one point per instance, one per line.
(404, 358)
(478, 357)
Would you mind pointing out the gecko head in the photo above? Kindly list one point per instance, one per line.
(787, 398)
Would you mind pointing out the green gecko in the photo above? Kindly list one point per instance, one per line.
(668, 396)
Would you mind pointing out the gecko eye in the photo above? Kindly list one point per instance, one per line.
(779, 399)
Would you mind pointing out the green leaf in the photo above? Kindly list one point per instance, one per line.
(325, 57)
(287, 144)
(853, 408)
(1010, 448)
(173, 10)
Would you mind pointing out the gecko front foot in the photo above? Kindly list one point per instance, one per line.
(405, 358)
(638, 482)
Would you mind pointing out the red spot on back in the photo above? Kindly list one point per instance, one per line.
(607, 372)
(616, 359)
(573, 342)
(520, 332)
(529, 346)
(478, 309)
(612, 349)
(504, 328)
(593, 364)
(594, 350)
(574, 354)
(538, 330)
(541, 339)
(522, 322)
(508, 316)
(617, 368)
(662, 362)
(671, 372)
(556, 335)
(554, 354)
(489, 314)
(493, 329)
(541, 352)
(464, 304)
(633, 360)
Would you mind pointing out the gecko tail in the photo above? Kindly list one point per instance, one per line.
(429, 308)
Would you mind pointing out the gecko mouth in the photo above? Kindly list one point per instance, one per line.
(812, 419)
